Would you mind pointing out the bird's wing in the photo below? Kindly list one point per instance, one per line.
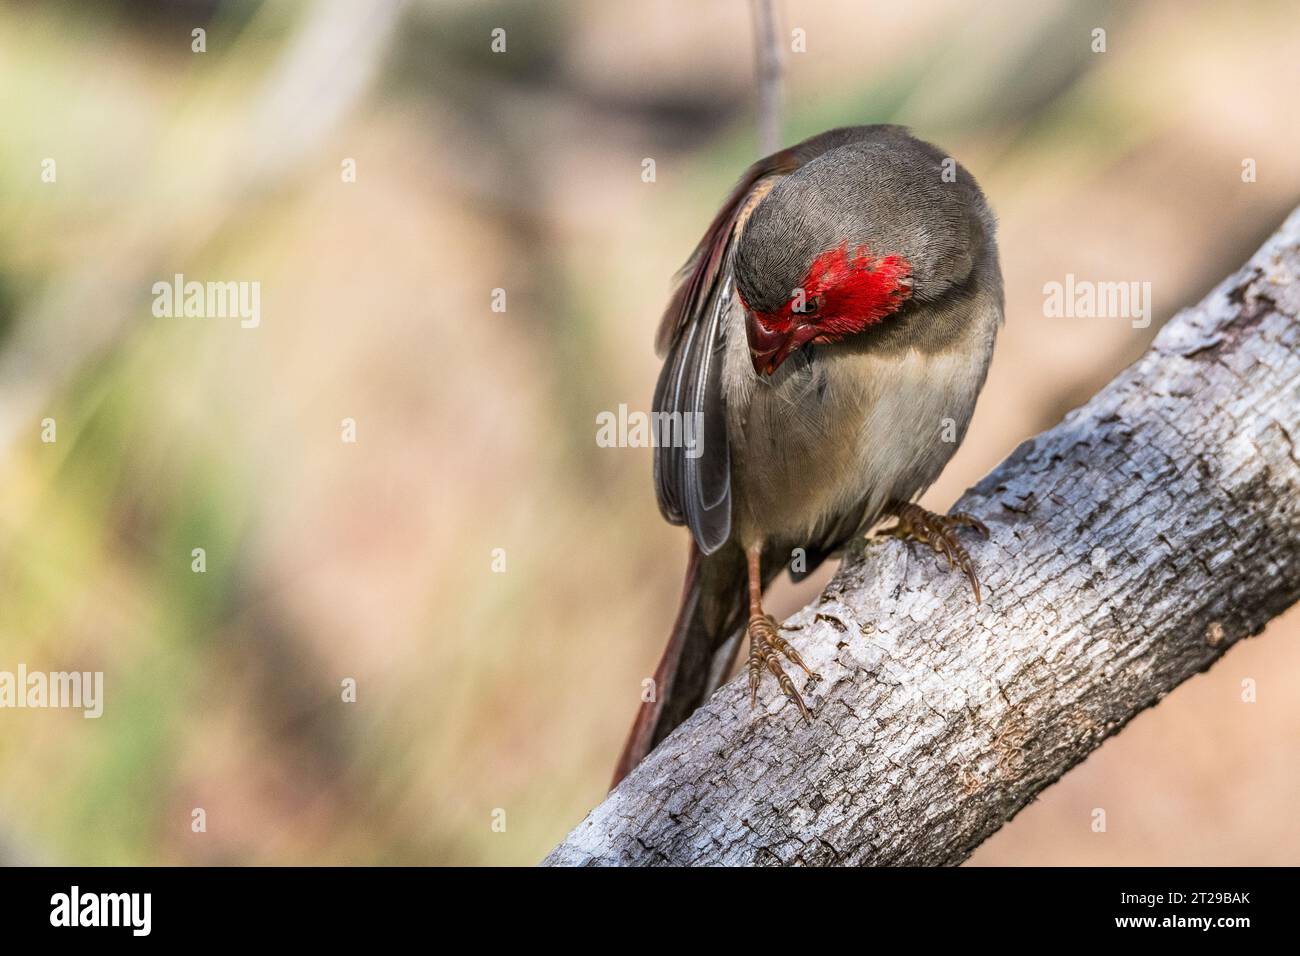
(693, 480)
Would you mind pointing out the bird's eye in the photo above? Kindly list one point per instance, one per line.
(809, 307)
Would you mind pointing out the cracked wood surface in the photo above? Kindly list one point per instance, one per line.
(1131, 546)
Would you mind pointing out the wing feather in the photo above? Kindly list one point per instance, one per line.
(693, 482)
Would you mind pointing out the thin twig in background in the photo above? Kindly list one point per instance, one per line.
(767, 55)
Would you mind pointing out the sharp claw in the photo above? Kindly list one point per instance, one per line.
(970, 521)
(785, 648)
(787, 686)
(803, 708)
(938, 532)
(764, 643)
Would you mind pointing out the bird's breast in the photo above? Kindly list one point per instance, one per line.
(838, 431)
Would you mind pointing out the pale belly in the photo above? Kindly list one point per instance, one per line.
(841, 435)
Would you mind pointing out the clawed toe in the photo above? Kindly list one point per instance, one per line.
(939, 532)
(964, 520)
(766, 646)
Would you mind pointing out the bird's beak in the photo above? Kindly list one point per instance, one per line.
(770, 345)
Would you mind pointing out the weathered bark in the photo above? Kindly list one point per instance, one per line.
(1131, 546)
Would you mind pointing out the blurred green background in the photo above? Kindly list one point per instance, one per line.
(478, 691)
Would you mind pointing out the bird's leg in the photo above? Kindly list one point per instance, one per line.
(938, 532)
(765, 642)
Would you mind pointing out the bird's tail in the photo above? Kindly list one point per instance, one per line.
(700, 650)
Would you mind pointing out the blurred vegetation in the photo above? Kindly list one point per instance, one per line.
(481, 691)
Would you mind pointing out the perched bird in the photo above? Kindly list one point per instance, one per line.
(829, 337)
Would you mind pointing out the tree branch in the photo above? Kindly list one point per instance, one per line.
(1131, 546)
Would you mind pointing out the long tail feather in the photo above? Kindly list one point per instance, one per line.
(712, 612)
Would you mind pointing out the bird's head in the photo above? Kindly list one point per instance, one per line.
(842, 291)
(824, 256)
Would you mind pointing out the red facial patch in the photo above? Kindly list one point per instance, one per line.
(851, 292)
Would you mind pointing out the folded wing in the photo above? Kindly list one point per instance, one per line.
(693, 478)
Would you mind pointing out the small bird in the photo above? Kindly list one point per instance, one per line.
(824, 345)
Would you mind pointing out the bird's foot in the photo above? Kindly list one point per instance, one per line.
(940, 533)
(765, 648)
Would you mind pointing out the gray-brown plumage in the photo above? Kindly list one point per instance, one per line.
(831, 330)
